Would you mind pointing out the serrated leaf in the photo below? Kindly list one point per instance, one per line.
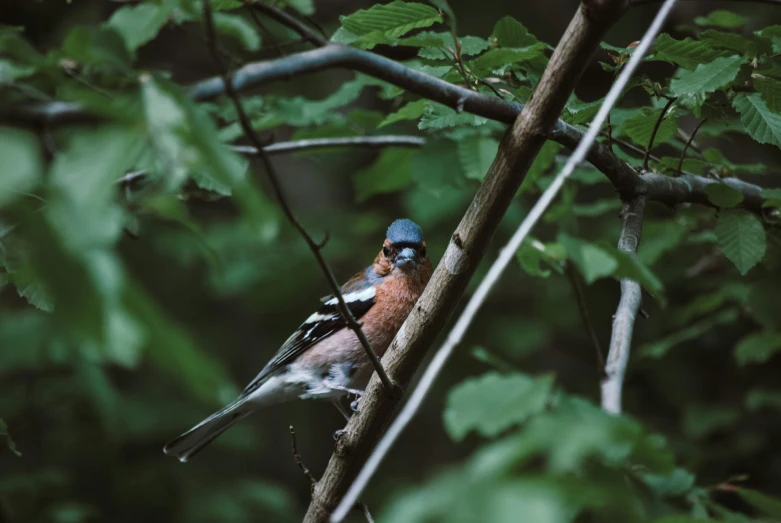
(640, 127)
(758, 347)
(239, 28)
(770, 90)
(494, 402)
(140, 23)
(544, 160)
(8, 439)
(434, 44)
(22, 165)
(582, 112)
(509, 32)
(706, 78)
(687, 53)
(730, 41)
(476, 155)
(383, 23)
(721, 18)
(759, 121)
(722, 195)
(437, 116)
(410, 111)
(391, 172)
(772, 197)
(741, 238)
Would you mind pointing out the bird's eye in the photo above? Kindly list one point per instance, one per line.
(386, 251)
(423, 251)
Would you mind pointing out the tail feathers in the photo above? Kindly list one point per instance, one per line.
(191, 442)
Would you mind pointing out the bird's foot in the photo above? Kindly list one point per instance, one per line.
(338, 433)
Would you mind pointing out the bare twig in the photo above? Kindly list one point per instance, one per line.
(659, 121)
(299, 461)
(290, 22)
(249, 132)
(686, 147)
(628, 306)
(312, 143)
(574, 279)
(609, 131)
(505, 256)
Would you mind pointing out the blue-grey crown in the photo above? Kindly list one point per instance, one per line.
(405, 231)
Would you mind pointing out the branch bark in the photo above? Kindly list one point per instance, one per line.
(517, 151)
(655, 187)
(628, 306)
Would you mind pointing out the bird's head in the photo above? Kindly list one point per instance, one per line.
(403, 248)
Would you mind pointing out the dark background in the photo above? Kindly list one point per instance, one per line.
(92, 441)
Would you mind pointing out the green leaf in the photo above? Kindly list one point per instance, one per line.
(759, 398)
(722, 195)
(721, 18)
(762, 502)
(494, 402)
(593, 261)
(582, 112)
(434, 45)
(497, 58)
(730, 41)
(8, 439)
(741, 238)
(687, 53)
(759, 121)
(596, 261)
(238, 28)
(410, 111)
(758, 347)
(509, 32)
(770, 90)
(99, 47)
(640, 127)
(707, 78)
(390, 173)
(383, 23)
(437, 116)
(22, 164)
(140, 23)
(542, 163)
(476, 155)
(772, 197)
(701, 420)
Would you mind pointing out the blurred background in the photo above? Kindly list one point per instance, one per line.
(91, 432)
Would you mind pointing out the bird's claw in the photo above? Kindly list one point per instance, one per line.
(354, 404)
(338, 433)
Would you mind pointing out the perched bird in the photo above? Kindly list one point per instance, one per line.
(323, 358)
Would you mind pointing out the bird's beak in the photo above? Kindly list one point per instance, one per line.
(406, 258)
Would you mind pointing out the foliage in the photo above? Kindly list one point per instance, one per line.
(131, 305)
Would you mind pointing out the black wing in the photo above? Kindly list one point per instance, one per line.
(317, 327)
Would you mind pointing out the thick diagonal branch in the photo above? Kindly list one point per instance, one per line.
(517, 151)
(249, 132)
(628, 306)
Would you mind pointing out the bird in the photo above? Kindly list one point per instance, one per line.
(323, 358)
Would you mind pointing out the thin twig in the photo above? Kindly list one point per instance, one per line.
(574, 279)
(299, 461)
(506, 255)
(658, 123)
(686, 147)
(290, 22)
(628, 306)
(265, 30)
(311, 143)
(609, 131)
(249, 132)
(365, 510)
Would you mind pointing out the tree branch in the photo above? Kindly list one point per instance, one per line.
(658, 123)
(628, 306)
(562, 66)
(297, 458)
(686, 147)
(230, 90)
(687, 188)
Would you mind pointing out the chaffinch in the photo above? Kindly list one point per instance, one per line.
(323, 358)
